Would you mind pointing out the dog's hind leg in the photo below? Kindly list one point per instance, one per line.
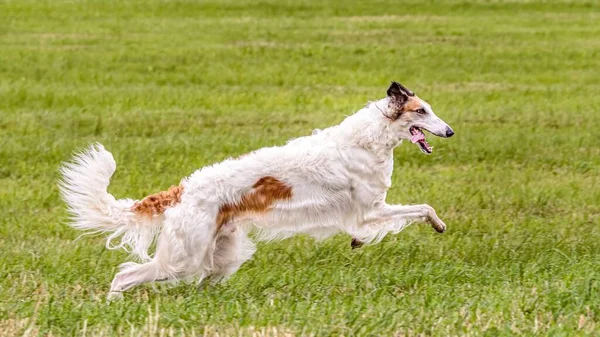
(231, 251)
(187, 235)
(133, 274)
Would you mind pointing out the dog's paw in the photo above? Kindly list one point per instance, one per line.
(114, 296)
(438, 225)
(356, 243)
(433, 220)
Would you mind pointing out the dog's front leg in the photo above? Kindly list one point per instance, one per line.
(424, 212)
(387, 214)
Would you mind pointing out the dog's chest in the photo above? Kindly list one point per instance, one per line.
(371, 175)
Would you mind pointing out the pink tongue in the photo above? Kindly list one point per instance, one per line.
(415, 138)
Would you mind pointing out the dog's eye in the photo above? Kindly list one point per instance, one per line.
(421, 111)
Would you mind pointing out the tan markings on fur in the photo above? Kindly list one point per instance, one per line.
(401, 106)
(412, 104)
(266, 191)
(159, 202)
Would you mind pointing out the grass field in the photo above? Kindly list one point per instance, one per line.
(170, 86)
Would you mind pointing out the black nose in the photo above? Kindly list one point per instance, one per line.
(449, 132)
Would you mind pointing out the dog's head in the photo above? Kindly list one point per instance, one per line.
(409, 116)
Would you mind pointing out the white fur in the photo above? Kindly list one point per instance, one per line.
(84, 188)
(339, 177)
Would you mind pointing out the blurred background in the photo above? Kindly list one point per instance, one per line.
(170, 86)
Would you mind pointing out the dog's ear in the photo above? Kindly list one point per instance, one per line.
(397, 90)
(399, 96)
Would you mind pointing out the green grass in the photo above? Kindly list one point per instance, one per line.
(170, 86)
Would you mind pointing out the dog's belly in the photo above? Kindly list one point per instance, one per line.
(319, 216)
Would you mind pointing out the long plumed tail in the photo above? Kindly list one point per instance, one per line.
(84, 186)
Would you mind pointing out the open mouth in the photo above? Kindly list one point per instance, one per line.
(418, 137)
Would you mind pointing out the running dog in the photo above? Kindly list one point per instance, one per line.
(332, 181)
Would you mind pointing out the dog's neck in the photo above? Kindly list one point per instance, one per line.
(368, 128)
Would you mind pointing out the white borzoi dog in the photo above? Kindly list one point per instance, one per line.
(332, 181)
